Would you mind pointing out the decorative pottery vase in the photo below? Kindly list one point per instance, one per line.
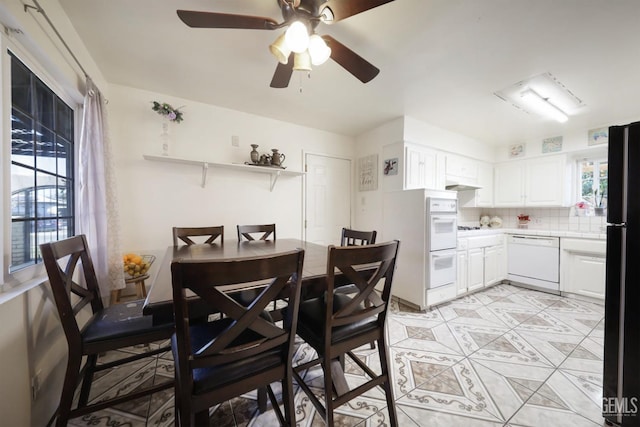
(165, 138)
(277, 158)
(254, 155)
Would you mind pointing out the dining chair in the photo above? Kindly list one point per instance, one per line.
(267, 230)
(243, 351)
(184, 234)
(109, 328)
(335, 324)
(352, 237)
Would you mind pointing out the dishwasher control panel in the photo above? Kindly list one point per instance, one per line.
(553, 242)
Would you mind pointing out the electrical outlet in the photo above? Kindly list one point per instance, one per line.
(235, 141)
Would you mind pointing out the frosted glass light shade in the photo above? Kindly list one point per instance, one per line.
(297, 37)
(318, 50)
(543, 106)
(302, 61)
(280, 49)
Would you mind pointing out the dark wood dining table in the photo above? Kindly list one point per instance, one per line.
(159, 302)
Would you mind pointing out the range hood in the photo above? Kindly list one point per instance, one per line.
(461, 186)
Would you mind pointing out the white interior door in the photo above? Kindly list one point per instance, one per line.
(327, 198)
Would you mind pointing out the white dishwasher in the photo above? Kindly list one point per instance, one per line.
(535, 261)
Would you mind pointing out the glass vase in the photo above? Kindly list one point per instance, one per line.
(165, 138)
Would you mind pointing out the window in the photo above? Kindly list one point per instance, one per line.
(42, 181)
(594, 176)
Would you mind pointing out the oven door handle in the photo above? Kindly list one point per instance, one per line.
(440, 219)
(443, 256)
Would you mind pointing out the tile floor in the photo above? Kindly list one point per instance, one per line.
(505, 356)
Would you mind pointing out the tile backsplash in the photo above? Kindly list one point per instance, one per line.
(561, 219)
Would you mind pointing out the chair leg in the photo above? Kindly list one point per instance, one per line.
(328, 391)
(288, 398)
(68, 388)
(387, 385)
(262, 399)
(87, 380)
(202, 418)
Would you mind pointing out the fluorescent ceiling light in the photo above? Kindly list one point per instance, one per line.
(550, 91)
(543, 106)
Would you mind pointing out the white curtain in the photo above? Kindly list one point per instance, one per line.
(97, 204)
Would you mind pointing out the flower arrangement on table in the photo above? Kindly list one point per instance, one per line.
(523, 218)
(166, 110)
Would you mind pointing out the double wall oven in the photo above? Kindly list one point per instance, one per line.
(441, 241)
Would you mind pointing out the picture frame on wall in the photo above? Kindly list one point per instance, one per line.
(598, 136)
(368, 173)
(552, 145)
(516, 150)
(390, 167)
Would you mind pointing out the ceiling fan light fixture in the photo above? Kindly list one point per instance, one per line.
(318, 50)
(280, 49)
(302, 61)
(297, 37)
(327, 15)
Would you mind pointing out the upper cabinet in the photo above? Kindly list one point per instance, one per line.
(467, 171)
(544, 181)
(417, 167)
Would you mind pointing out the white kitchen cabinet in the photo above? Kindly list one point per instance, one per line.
(418, 167)
(476, 269)
(491, 266)
(461, 169)
(462, 276)
(487, 263)
(583, 267)
(543, 181)
(483, 196)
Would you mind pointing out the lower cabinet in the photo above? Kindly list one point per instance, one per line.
(476, 269)
(583, 267)
(481, 262)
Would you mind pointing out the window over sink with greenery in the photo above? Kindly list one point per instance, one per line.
(594, 176)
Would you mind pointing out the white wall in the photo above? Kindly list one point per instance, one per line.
(368, 204)
(155, 196)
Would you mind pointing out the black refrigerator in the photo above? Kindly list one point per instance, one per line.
(621, 382)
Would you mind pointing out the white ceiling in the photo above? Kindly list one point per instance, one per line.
(440, 61)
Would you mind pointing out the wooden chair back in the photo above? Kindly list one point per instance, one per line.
(184, 234)
(62, 259)
(276, 276)
(366, 301)
(357, 238)
(268, 232)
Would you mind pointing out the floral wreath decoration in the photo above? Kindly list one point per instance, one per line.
(166, 110)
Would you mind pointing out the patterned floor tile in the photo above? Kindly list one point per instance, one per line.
(560, 401)
(554, 347)
(456, 391)
(410, 368)
(539, 300)
(508, 384)
(501, 355)
(427, 336)
(512, 348)
(471, 338)
(587, 356)
(474, 314)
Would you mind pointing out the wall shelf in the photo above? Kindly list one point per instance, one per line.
(274, 173)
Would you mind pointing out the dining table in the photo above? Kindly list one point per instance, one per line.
(159, 301)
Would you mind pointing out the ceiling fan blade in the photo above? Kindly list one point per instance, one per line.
(351, 61)
(345, 8)
(197, 19)
(283, 73)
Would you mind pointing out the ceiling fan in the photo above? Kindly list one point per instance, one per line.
(299, 46)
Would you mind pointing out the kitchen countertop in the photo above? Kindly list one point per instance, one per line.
(531, 232)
